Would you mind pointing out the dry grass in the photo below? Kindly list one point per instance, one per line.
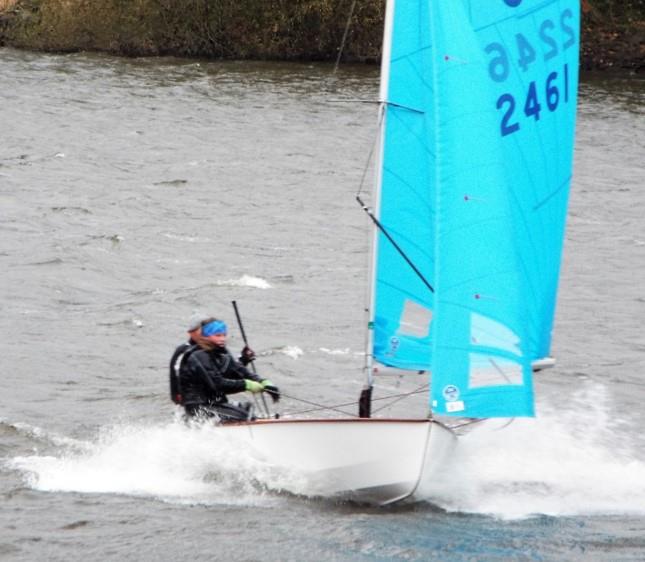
(6, 4)
(264, 29)
(613, 30)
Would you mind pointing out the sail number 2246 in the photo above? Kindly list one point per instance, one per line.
(546, 94)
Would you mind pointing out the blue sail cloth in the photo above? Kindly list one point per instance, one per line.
(404, 303)
(496, 81)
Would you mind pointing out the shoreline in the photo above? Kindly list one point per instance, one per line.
(311, 31)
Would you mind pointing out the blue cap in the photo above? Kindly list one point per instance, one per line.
(214, 328)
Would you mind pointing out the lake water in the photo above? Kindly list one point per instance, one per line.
(134, 192)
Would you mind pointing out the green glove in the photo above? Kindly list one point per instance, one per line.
(266, 382)
(252, 386)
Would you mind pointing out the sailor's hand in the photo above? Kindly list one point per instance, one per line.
(252, 386)
(271, 389)
(247, 355)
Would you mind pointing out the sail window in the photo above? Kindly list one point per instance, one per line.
(415, 320)
(486, 332)
(489, 370)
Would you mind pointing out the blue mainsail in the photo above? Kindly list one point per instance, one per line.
(479, 117)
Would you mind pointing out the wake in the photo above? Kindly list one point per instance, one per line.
(564, 462)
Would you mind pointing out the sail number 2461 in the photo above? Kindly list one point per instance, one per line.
(541, 95)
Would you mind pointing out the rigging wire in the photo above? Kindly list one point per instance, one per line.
(345, 33)
(398, 248)
(418, 390)
(320, 406)
(353, 403)
(471, 422)
(378, 223)
(370, 155)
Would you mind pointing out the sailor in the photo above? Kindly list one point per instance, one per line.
(212, 373)
(182, 352)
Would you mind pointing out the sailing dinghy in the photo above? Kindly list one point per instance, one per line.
(477, 116)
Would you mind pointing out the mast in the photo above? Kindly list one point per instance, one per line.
(383, 97)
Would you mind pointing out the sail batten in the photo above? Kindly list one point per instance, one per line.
(473, 186)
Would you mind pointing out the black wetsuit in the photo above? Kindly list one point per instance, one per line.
(207, 379)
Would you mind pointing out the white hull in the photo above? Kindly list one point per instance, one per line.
(372, 460)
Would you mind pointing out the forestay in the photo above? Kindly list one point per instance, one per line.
(474, 179)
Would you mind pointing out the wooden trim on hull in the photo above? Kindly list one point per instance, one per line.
(263, 421)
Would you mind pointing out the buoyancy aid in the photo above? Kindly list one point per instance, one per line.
(177, 364)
